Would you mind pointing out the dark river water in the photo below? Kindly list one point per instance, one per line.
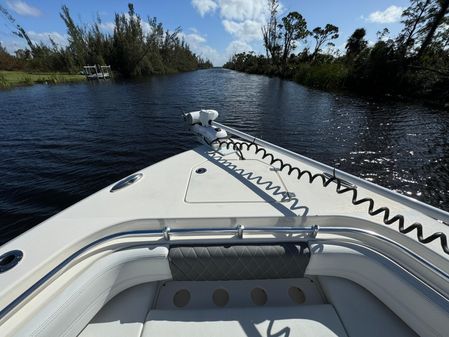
(59, 144)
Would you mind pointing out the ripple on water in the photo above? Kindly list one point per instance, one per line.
(59, 144)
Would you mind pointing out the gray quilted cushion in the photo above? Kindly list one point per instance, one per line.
(238, 262)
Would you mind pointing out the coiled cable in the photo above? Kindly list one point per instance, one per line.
(342, 187)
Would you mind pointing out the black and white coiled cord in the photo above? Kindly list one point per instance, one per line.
(342, 187)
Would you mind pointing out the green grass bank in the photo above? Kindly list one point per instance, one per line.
(10, 79)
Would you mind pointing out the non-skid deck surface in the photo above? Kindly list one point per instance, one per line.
(138, 311)
(304, 321)
(135, 313)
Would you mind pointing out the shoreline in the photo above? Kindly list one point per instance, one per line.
(386, 97)
(14, 79)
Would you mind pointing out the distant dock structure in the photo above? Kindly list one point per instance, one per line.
(97, 72)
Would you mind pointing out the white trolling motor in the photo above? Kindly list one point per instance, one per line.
(200, 123)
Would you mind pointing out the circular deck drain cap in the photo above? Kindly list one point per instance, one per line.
(10, 260)
(201, 170)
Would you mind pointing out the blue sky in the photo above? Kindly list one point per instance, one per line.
(214, 29)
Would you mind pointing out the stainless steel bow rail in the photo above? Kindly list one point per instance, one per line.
(238, 231)
(343, 186)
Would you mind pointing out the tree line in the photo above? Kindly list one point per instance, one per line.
(130, 50)
(414, 63)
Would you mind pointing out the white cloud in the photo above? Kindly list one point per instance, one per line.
(247, 30)
(12, 46)
(238, 10)
(236, 47)
(194, 38)
(22, 8)
(390, 15)
(146, 27)
(242, 19)
(107, 26)
(204, 6)
(45, 37)
(198, 44)
(241, 10)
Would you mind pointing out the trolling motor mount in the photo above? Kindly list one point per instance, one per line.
(200, 123)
